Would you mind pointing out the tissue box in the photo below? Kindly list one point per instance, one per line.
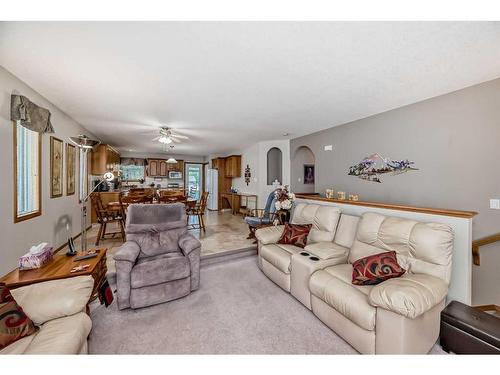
(31, 261)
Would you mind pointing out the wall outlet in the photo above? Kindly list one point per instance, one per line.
(329, 148)
(495, 204)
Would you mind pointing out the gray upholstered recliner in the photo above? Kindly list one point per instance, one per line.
(160, 261)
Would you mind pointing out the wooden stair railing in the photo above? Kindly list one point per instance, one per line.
(481, 242)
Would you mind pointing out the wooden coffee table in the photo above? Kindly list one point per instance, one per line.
(59, 268)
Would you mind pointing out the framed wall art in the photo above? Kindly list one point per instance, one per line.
(308, 173)
(56, 167)
(70, 169)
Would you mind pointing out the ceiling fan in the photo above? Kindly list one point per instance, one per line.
(167, 136)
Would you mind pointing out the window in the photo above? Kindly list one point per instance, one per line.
(274, 165)
(132, 172)
(27, 173)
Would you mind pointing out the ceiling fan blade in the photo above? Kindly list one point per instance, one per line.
(156, 138)
(179, 136)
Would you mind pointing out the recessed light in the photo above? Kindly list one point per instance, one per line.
(286, 134)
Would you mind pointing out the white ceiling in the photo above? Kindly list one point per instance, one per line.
(229, 84)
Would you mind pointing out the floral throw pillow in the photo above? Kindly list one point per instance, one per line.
(14, 324)
(295, 234)
(374, 269)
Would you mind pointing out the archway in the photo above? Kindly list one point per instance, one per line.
(274, 165)
(303, 172)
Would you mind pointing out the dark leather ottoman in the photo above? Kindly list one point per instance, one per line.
(466, 330)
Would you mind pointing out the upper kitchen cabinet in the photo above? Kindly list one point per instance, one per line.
(104, 159)
(160, 167)
(177, 167)
(233, 166)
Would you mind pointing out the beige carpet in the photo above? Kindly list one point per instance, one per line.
(237, 310)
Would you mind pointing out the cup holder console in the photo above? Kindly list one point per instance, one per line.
(314, 258)
(304, 254)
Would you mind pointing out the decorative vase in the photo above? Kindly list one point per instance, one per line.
(283, 216)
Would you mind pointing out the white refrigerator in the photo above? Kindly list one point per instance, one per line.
(211, 184)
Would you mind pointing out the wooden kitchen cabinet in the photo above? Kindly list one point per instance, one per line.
(177, 167)
(233, 166)
(160, 167)
(104, 159)
(163, 172)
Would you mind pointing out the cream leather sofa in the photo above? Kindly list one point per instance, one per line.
(399, 315)
(275, 260)
(58, 309)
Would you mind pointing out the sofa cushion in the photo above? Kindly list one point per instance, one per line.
(410, 295)
(269, 235)
(14, 324)
(374, 269)
(346, 230)
(324, 220)
(344, 272)
(55, 299)
(327, 250)
(61, 336)
(344, 298)
(159, 269)
(295, 234)
(280, 256)
(420, 247)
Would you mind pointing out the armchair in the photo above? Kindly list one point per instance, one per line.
(160, 261)
(261, 217)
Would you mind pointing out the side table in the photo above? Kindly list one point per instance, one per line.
(59, 268)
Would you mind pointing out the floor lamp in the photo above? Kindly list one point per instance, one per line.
(85, 145)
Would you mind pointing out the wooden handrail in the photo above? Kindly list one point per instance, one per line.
(481, 242)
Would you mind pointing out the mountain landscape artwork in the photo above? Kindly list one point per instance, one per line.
(371, 167)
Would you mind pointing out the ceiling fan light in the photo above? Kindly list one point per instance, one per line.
(165, 140)
(171, 161)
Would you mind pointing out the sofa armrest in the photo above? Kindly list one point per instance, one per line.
(328, 250)
(188, 243)
(54, 299)
(410, 295)
(269, 235)
(128, 252)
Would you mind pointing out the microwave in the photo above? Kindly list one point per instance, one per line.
(175, 174)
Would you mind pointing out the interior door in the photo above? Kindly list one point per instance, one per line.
(194, 179)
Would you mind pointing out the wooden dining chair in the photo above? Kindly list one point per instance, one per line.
(106, 216)
(198, 210)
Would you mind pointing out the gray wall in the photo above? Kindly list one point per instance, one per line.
(454, 140)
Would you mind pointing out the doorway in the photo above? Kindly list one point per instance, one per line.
(194, 180)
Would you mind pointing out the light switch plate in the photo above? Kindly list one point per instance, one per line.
(329, 148)
(495, 204)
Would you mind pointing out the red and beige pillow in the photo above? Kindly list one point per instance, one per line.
(14, 324)
(374, 269)
(295, 234)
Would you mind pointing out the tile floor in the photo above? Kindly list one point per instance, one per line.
(224, 232)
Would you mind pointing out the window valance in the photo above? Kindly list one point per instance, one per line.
(133, 161)
(30, 115)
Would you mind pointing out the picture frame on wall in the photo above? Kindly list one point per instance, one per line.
(56, 167)
(308, 173)
(70, 169)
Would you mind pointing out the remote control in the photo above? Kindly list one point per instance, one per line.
(87, 256)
